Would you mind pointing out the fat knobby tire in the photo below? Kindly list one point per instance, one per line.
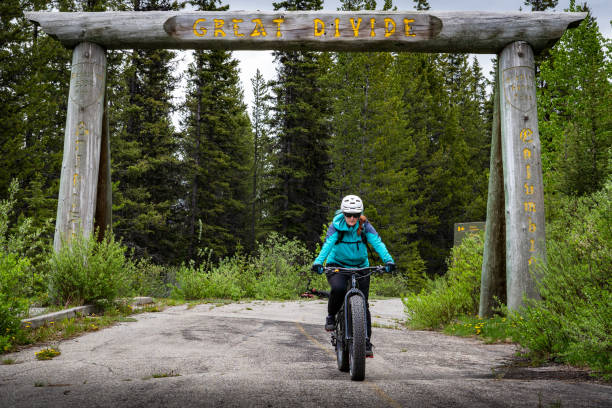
(357, 347)
(342, 351)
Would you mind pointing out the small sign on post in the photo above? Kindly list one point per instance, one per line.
(463, 229)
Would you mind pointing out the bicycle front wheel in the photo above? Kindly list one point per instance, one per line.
(341, 346)
(357, 346)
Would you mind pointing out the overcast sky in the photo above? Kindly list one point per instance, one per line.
(250, 61)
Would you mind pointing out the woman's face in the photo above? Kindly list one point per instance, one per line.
(351, 219)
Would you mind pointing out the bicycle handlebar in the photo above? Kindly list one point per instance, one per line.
(329, 270)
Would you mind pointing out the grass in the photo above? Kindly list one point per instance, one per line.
(9, 361)
(47, 353)
(494, 330)
(171, 373)
(69, 328)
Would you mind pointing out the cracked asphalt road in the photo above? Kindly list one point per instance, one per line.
(273, 354)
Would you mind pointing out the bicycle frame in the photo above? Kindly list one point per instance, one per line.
(354, 291)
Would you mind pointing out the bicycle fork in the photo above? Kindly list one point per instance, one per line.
(354, 292)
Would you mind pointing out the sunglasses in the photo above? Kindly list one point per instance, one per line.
(352, 215)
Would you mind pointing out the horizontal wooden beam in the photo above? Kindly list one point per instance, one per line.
(469, 31)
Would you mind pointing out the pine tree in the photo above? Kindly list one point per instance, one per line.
(144, 153)
(541, 5)
(216, 148)
(575, 111)
(445, 109)
(262, 151)
(300, 126)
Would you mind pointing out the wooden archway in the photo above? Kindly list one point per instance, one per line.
(515, 234)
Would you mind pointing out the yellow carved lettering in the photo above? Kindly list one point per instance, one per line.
(199, 30)
(337, 27)
(278, 22)
(526, 154)
(319, 27)
(76, 144)
(532, 226)
(219, 23)
(531, 260)
(408, 27)
(259, 29)
(532, 245)
(528, 170)
(389, 27)
(75, 179)
(526, 135)
(355, 27)
(528, 189)
(236, 27)
(529, 206)
(372, 26)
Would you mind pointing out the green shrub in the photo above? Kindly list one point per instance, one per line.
(573, 321)
(26, 243)
(390, 285)
(149, 279)
(87, 271)
(13, 307)
(454, 294)
(276, 271)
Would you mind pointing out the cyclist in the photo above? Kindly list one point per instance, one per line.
(346, 247)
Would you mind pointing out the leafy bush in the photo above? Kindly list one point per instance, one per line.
(149, 279)
(573, 321)
(27, 244)
(276, 271)
(13, 305)
(87, 271)
(200, 282)
(390, 285)
(454, 294)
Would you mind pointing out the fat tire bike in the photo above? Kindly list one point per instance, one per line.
(351, 334)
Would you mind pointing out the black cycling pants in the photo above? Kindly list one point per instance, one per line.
(338, 285)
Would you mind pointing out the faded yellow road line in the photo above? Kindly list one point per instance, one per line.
(315, 341)
(384, 395)
(375, 387)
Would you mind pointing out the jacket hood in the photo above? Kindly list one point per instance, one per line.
(341, 225)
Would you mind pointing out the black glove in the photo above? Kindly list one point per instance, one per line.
(318, 268)
(389, 267)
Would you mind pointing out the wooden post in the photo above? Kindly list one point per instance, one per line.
(104, 202)
(79, 179)
(524, 193)
(493, 277)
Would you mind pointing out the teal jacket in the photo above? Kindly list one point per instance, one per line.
(351, 252)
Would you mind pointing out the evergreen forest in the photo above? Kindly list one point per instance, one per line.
(205, 182)
(409, 133)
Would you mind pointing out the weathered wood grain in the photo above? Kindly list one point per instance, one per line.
(103, 220)
(493, 275)
(82, 140)
(524, 192)
(470, 31)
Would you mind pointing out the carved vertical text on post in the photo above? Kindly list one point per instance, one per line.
(80, 165)
(524, 194)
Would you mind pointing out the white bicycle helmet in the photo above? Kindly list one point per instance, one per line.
(351, 204)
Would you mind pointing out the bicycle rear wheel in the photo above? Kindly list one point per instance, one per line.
(342, 353)
(357, 357)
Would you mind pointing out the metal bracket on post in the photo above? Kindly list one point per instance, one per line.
(523, 187)
(82, 142)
